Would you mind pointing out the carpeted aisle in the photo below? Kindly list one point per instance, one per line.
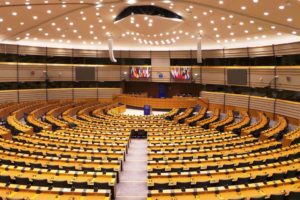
(133, 178)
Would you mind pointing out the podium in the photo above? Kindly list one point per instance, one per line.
(147, 110)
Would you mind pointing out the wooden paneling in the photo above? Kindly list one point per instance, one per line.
(8, 96)
(288, 108)
(8, 73)
(213, 97)
(61, 93)
(108, 92)
(236, 101)
(262, 103)
(156, 102)
(85, 93)
(32, 72)
(261, 76)
(60, 72)
(32, 95)
(156, 71)
(109, 73)
(288, 78)
(213, 75)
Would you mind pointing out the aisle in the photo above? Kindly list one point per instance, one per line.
(133, 178)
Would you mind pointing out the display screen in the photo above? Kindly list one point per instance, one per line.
(85, 73)
(181, 73)
(237, 76)
(140, 72)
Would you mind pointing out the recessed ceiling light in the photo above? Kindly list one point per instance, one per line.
(281, 7)
(289, 19)
(14, 13)
(131, 1)
(243, 7)
(266, 14)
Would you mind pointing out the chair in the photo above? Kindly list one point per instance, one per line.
(80, 185)
(22, 181)
(15, 198)
(263, 197)
(225, 182)
(4, 179)
(52, 166)
(60, 183)
(161, 186)
(277, 197)
(260, 178)
(36, 165)
(294, 195)
(101, 185)
(40, 182)
(238, 198)
(242, 180)
(183, 185)
(277, 176)
(88, 169)
(291, 173)
(69, 168)
(203, 184)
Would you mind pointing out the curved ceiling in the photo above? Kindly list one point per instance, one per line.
(87, 24)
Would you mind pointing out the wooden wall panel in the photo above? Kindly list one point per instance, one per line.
(8, 73)
(288, 78)
(85, 93)
(108, 92)
(33, 95)
(262, 103)
(32, 72)
(196, 74)
(237, 100)
(213, 75)
(60, 93)
(109, 73)
(261, 76)
(8, 96)
(213, 97)
(156, 71)
(60, 72)
(288, 108)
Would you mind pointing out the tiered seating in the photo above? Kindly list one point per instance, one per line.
(219, 125)
(292, 137)
(172, 113)
(180, 118)
(237, 126)
(277, 130)
(205, 123)
(213, 165)
(192, 120)
(255, 129)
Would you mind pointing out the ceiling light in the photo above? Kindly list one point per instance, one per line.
(131, 1)
(289, 19)
(281, 7)
(243, 7)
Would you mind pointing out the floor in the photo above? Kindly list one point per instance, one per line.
(140, 112)
(133, 178)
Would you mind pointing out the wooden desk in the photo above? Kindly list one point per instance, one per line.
(157, 103)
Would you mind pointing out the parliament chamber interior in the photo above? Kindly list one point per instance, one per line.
(149, 100)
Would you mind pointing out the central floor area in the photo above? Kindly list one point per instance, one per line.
(133, 178)
(130, 111)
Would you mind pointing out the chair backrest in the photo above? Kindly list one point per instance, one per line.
(258, 198)
(277, 197)
(294, 195)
